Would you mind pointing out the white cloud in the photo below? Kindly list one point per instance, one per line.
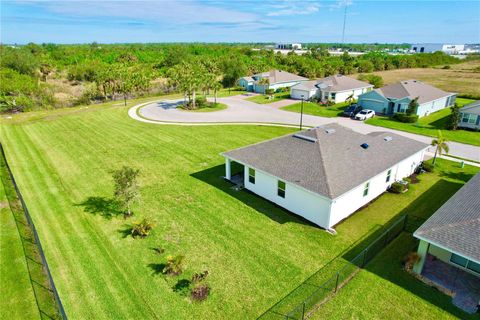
(341, 4)
(291, 7)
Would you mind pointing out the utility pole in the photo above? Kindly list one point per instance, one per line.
(301, 115)
(344, 23)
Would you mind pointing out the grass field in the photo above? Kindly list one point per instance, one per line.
(62, 161)
(317, 110)
(209, 108)
(264, 99)
(429, 126)
(460, 78)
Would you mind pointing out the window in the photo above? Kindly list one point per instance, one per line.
(461, 261)
(473, 266)
(281, 189)
(472, 119)
(251, 175)
(469, 118)
(365, 189)
(333, 95)
(389, 174)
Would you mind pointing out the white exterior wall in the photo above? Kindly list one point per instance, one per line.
(440, 253)
(432, 106)
(352, 200)
(307, 204)
(341, 96)
(297, 94)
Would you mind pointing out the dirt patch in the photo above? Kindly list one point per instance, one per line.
(3, 204)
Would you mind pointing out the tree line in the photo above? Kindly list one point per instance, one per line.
(29, 74)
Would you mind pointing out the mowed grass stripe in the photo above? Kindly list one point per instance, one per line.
(98, 244)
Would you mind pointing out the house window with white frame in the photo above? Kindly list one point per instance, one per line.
(465, 263)
(389, 174)
(365, 189)
(251, 175)
(281, 186)
(469, 118)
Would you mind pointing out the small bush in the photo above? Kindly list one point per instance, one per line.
(142, 229)
(398, 187)
(174, 265)
(406, 118)
(269, 91)
(410, 260)
(447, 67)
(200, 292)
(200, 101)
(199, 277)
(238, 88)
(427, 166)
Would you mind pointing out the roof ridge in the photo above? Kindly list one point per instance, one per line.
(322, 161)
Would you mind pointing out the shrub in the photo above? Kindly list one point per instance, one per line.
(199, 277)
(398, 187)
(427, 166)
(406, 118)
(200, 292)
(174, 265)
(200, 101)
(410, 260)
(447, 67)
(238, 88)
(269, 91)
(142, 229)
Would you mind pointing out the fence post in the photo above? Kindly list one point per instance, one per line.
(336, 282)
(303, 311)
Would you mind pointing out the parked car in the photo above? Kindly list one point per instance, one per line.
(365, 114)
(352, 110)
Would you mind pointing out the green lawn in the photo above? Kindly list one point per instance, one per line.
(62, 161)
(317, 110)
(209, 107)
(430, 125)
(264, 99)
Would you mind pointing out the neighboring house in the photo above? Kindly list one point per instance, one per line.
(470, 116)
(396, 97)
(452, 233)
(276, 79)
(326, 173)
(335, 88)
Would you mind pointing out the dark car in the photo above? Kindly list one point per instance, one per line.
(352, 110)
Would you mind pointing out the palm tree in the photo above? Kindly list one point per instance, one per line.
(265, 82)
(441, 145)
(349, 99)
(216, 86)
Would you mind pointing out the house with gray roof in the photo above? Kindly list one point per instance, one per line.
(273, 79)
(452, 233)
(397, 96)
(470, 116)
(337, 88)
(326, 173)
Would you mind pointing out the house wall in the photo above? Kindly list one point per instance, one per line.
(352, 200)
(297, 94)
(304, 203)
(432, 106)
(440, 253)
(341, 96)
(247, 85)
(474, 125)
(372, 100)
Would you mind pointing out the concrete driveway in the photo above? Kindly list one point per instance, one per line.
(240, 111)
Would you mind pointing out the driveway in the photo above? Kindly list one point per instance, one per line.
(240, 111)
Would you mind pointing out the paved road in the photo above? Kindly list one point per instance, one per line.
(240, 111)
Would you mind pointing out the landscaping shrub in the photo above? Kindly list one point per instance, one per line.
(200, 101)
(410, 260)
(200, 292)
(398, 187)
(142, 229)
(174, 265)
(406, 118)
(269, 91)
(427, 166)
(238, 88)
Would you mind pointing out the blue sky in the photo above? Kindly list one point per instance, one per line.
(239, 21)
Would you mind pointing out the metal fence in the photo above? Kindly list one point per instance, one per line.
(328, 288)
(37, 243)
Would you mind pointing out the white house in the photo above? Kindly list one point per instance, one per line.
(470, 116)
(288, 46)
(326, 173)
(397, 96)
(334, 88)
(275, 79)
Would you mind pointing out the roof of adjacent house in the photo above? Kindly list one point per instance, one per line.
(248, 79)
(412, 89)
(473, 108)
(456, 225)
(275, 76)
(328, 160)
(333, 84)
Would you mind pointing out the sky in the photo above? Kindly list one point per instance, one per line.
(121, 21)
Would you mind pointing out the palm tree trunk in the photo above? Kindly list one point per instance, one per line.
(435, 155)
(215, 95)
(193, 98)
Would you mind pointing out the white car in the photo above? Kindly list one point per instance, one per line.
(365, 114)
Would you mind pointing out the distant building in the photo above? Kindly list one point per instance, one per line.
(447, 48)
(288, 46)
(273, 79)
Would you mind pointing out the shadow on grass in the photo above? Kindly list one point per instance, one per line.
(157, 268)
(106, 207)
(214, 177)
(182, 287)
(126, 231)
(388, 263)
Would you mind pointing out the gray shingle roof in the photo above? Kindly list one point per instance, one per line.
(473, 108)
(333, 84)
(276, 76)
(412, 89)
(456, 225)
(333, 164)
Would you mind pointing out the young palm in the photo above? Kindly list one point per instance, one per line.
(441, 146)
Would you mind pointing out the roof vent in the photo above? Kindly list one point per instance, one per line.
(329, 131)
(306, 138)
(388, 138)
(364, 145)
